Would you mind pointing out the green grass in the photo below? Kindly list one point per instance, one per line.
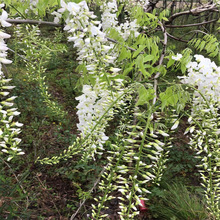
(177, 202)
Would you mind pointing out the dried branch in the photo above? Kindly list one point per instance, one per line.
(176, 38)
(160, 60)
(90, 191)
(191, 25)
(194, 12)
(27, 21)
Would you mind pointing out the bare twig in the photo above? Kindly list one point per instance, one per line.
(27, 21)
(18, 54)
(186, 41)
(191, 25)
(195, 11)
(160, 60)
(90, 191)
(176, 38)
(195, 31)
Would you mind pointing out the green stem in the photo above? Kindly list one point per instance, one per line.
(18, 11)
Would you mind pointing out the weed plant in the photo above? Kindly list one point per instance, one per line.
(177, 202)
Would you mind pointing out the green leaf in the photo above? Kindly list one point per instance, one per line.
(170, 62)
(124, 54)
(202, 45)
(174, 96)
(127, 70)
(148, 58)
(197, 43)
(139, 50)
(151, 16)
(165, 19)
(145, 95)
(140, 64)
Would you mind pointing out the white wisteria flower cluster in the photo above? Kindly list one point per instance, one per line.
(93, 104)
(89, 35)
(110, 20)
(205, 141)
(86, 34)
(9, 128)
(109, 17)
(95, 109)
(129, 4)
(205, 75)
(93, 49)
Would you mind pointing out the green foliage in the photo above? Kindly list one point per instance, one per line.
(179, 203)
(27, 8)
(38, 53)
(145, 95)
(12, 193)
(174, 96)
(9, 129)
(209, 43)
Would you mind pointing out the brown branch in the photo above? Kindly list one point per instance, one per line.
(160, 60)
(185, 41)
(27, 21)
(176, 38)
(191, 25)
(151, 5)
(196, 31)
(194, 12)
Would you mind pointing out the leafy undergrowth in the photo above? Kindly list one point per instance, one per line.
(29, 190)
(54, 192)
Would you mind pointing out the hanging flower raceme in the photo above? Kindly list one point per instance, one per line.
(93, 51)
(89, 35)
(86, 34)
(110, 20)
(205, 75)
(204, 129)
(95, 109)
(9, 129)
